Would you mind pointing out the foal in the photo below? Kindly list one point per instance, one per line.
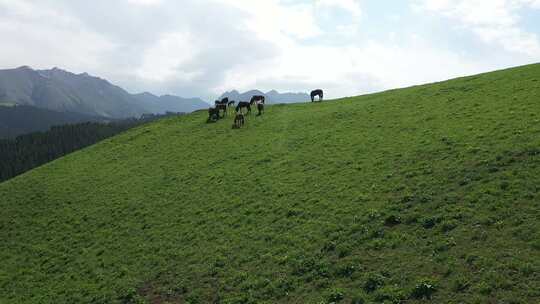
(260, 108)
(239, 121)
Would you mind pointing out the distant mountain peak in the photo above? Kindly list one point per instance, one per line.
(24, 67)
(63, 91)
(272, 96)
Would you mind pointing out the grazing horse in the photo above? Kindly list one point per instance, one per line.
(316, 93)
(243, 104)
(239, 121)
(223, 101)
(213, 114)
(222, 105)
(260, 108)
(257, 98)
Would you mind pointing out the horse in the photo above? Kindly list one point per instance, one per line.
(222, 107)
(257, 98)
(213, 115)
(243, 104)
(239, 121)
(223, 101)
(260, 108)
(316, 93)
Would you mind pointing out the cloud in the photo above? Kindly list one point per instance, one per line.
(352, 7)
(202, 48)
(144, 2)
(493, 21)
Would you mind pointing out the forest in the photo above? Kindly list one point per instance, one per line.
(29, 151)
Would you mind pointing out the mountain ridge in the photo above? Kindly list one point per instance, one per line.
(63, 91)
(272, 96)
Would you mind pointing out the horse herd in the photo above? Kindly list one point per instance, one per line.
(224, 105)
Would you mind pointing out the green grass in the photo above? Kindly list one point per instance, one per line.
(424, 194)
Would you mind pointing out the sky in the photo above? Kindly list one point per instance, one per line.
(206, 47)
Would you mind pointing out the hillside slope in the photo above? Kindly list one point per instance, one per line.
(425, 192)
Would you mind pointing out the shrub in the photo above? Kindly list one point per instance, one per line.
(429, 223)
(335, 296)
(129, 296)
(392, 220)
(423, 290)
(373, 282)
(328, 247)
(343, 250)
(345, 271)
(448, 226)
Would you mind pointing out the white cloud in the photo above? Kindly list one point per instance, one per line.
(350, 6)
(272, 20)
(352, 70)
(144, 2)
(161, 60)
(494, 21)
(202, 48)
(30, 39)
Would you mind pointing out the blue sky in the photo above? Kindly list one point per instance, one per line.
(205, 47)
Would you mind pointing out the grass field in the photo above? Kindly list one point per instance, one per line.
(428, 194)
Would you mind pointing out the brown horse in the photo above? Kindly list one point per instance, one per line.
(239, 121)
(316, 93)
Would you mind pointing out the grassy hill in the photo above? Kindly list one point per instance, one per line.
(428, 194)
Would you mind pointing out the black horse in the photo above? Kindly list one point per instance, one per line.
(316, 93)
(222, 105)
(257, 98)
(243, 104)
(223, 101)
(213, 114)
(260, 108)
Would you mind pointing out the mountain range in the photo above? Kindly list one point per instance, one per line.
(63, 91)
(34, 100)
(271, 96)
